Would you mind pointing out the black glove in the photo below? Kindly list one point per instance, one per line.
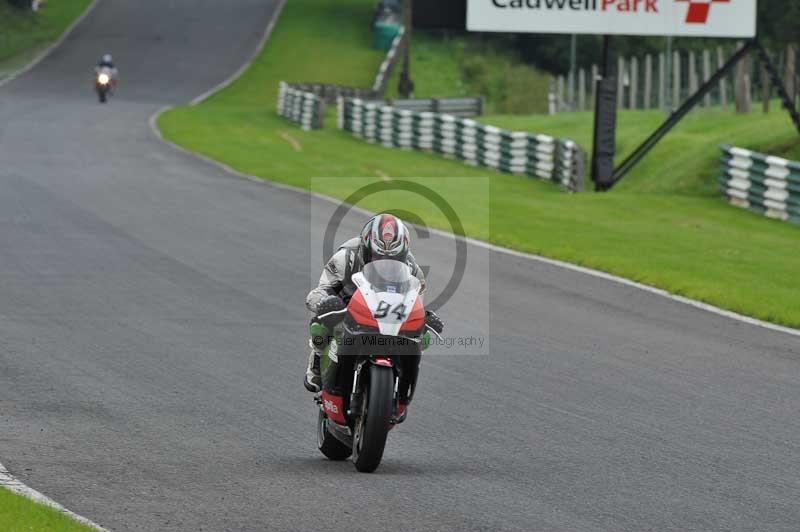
(331, 304)
(433, 321)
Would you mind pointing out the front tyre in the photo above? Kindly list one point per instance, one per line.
(327, 443)
(373, 425)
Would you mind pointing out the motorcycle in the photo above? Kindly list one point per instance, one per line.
(104, 83)
(370, 364)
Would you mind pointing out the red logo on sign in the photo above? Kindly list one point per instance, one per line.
(699, 10)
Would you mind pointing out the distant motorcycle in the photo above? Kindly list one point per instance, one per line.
(369, 366)
(104, 83)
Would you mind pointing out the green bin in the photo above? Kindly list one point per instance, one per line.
(385, 32)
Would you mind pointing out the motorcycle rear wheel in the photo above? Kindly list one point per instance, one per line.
(373, 425)
(328, 445)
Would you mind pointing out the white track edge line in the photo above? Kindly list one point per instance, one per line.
(47, 51)
(8, 481)
(241, 70)
(153, 123)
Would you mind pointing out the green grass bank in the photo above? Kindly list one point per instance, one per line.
(665, 225)
(20, 514)
(23, 33)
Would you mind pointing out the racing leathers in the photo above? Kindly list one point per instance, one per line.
(336, 281)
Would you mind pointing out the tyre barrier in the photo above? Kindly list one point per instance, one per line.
(559, 160)
(762, 183)
(301, 107)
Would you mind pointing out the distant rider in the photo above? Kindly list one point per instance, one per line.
(107, 63)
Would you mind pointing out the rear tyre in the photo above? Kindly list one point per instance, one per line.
(373, 425)
(328, 445)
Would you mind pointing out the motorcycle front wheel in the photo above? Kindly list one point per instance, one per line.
(373, 425)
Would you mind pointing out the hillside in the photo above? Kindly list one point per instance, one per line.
(445, 65)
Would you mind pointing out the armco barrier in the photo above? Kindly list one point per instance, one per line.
(304, 108)
(304, 103)
(464, 107)
(330, 92)
(762, 183)
(558, 160)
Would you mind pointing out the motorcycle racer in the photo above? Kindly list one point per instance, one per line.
(107, 63)
(383, 237)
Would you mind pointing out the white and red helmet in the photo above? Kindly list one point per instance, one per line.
(385, 236)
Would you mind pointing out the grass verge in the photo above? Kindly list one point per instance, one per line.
(664, 226)
(20, 514)
(687, 159)
(24, 33)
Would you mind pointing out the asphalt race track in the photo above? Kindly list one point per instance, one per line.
(152, 342)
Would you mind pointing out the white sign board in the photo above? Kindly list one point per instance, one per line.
(698, 18)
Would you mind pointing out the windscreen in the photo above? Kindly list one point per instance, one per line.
(390, 276)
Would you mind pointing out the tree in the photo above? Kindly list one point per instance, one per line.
(779, 22)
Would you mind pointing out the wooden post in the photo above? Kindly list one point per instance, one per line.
(620, 83)
(766, 88)
(692, 73)
(582, 89)
(573, 74)
(790, 72)
(707, 76)
(570, 91)
(662, 80)
(742, 86)
(676, 80)
(560, 94)
(593, 84)
(648, 82)
(723, 82)
(634, 87)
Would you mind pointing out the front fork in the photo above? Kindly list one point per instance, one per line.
(326, 344)
(357, 394)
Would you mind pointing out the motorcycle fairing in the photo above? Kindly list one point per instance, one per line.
(390, 322)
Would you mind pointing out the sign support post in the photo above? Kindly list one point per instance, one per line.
(780, 86)
(605, 119)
